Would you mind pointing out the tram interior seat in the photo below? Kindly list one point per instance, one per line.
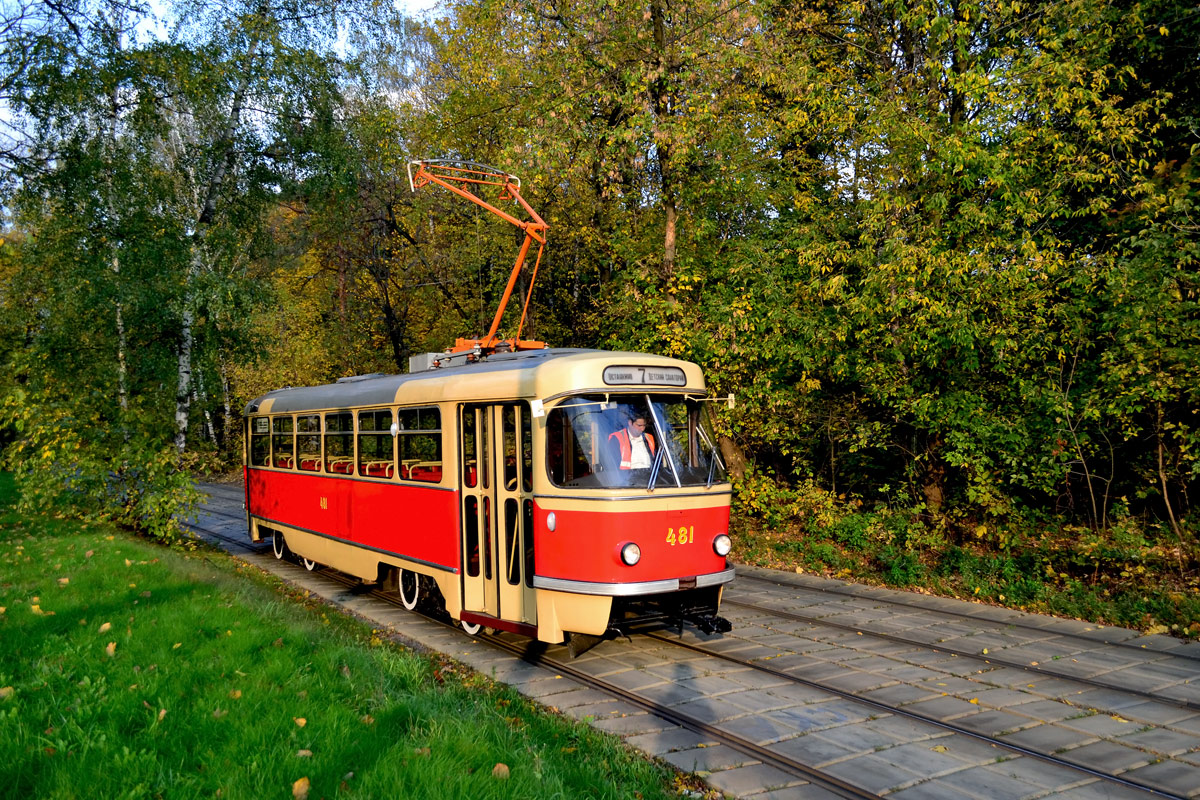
(377, 469)
(284, 461)
(311, 464)
(342, 465)
(430, 471)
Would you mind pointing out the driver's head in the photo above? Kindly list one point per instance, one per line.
(636, 425)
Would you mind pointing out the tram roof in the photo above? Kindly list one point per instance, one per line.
(524, 374)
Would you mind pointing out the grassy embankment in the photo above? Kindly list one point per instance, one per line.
(133, 670)
(1132, 574)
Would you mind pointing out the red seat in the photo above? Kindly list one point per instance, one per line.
(430, 474)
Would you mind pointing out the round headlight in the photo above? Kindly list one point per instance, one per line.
(631, 554)
(551, 522)
(722, 545)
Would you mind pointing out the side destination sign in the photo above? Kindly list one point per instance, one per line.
(643, 376)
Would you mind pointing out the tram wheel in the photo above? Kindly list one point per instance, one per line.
(278, 545)
(309, 565)
(472, 628)
(409, 584)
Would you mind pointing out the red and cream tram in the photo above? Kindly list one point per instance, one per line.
(506, 488)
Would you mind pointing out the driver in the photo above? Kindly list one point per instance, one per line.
(635, 446)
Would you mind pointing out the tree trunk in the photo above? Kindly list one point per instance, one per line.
(183, 385)
(664, 107)
(196, 261)
(933, 477)
(735, 457)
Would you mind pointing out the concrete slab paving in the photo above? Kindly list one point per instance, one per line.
(1163, 742)
(752, 779)
(670, 740)
(1106, 756)
(709, 759)
(873, 772)
(1047, 738)
(1168, 776)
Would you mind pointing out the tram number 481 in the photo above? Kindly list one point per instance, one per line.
(681, 535)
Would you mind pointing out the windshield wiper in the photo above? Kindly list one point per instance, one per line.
(658, 457)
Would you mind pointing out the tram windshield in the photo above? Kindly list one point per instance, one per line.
(645, 441)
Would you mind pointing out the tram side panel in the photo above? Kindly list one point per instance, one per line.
(336, 521)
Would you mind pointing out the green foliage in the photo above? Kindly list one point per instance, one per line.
(68, 461)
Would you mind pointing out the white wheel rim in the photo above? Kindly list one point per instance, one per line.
(277, 544)
(405, 600)
(471, 628)
(310, 565)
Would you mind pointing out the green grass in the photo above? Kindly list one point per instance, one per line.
(222, 683)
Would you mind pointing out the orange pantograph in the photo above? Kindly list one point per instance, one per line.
(461, 177)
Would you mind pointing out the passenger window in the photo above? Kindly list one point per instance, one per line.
(526, 449)
(376, 456)
(308, 442)
(339, 443)
(419, 442)
(470, 466)
(260, 442)
(508, 416)
(512, 542)
(283, 443)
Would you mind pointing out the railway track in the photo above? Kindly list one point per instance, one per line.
(1100, 635)
(989, 660)
(769, 649)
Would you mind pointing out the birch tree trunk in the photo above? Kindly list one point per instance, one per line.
(216, 182)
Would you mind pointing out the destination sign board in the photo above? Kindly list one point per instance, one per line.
(644, 376)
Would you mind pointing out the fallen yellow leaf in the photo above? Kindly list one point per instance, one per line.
(162, 712)
(974, 701)
(304, 753)
(128, 562)
(367, 719)
(63, 581)
(236, 694)
(300, 789)
(301, 721)
(941, 748)
(36, 609)
(111, 649)
(500, 772)
(105, 627)
(6, 692)
(177, 645)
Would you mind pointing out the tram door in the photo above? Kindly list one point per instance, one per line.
(496, 479)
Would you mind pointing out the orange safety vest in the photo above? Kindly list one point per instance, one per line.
(622, 437)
